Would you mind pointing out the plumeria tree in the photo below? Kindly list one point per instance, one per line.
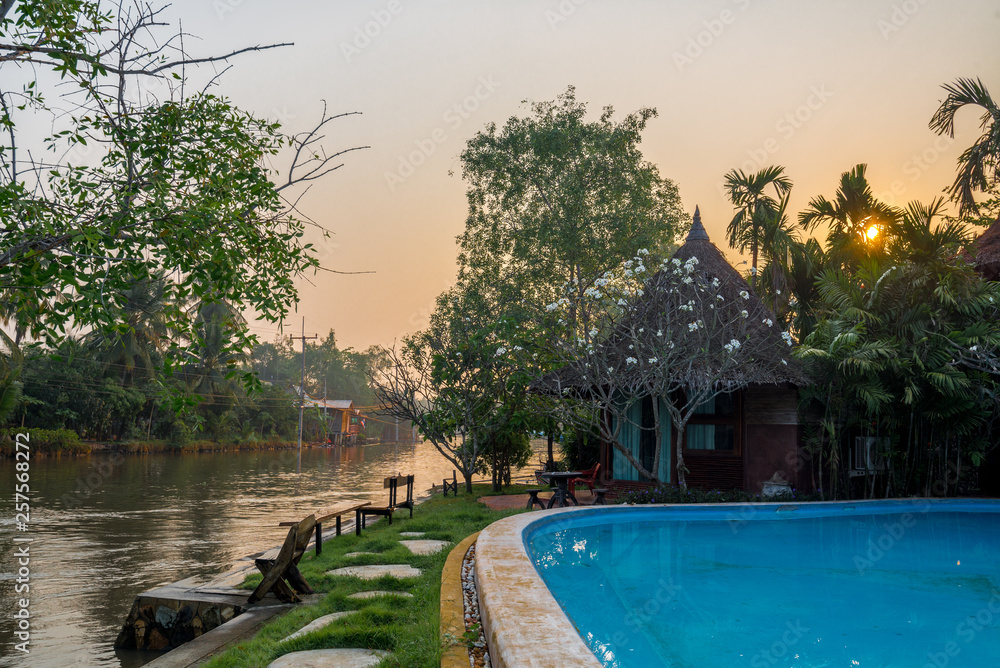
(680, 334)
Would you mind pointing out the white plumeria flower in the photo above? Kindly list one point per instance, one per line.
(768, 322)
(500, 351)
(593, 332)
(659, 332)
(552, 307)
(652, 360)
(784, 362)
(643, 251)
(744, 313)
(687, 280)
(630, 360)
(692, 326)
(611, 369)
(744, 294)
(621, 302)
(787, 337)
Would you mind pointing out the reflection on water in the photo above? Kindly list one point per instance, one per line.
(105, 529)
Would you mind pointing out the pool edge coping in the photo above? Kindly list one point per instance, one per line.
(520, 616)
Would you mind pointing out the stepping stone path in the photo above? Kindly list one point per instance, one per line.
(411, 534)
(318, 623)
(380, 592)
(359, 554)
(424, 547)
(330, 658)
(375, 572)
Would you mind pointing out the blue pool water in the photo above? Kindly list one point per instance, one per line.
(906, 584)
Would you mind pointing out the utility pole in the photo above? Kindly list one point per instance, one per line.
(302, 390)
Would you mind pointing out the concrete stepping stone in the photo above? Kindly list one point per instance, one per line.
(317, 624)
(424, 547)
(411, 534)
(330, 658)
(375, 572)
(359, 554)
(379, 592)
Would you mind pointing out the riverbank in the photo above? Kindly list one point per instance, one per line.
(65, 443)
(404, 622)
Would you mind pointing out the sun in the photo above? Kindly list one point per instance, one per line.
(871, 232)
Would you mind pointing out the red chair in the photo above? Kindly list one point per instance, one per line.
(588, 478)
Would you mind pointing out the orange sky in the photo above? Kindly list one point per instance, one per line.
(817, 86)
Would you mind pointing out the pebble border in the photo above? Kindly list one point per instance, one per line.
(479, 654)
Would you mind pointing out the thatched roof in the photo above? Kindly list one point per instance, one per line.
(658, 304)
(985, 252)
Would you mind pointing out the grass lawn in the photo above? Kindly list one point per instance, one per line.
(407, 627)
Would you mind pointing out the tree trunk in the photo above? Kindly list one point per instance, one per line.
(681, 479)
(468, 481)
(551, 464)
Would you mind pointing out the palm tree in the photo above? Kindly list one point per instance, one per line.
(143, 329)
(979, 165)
(756, 208)
(852, 213)
(919, 240)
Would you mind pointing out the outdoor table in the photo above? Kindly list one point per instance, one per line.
(562, 493)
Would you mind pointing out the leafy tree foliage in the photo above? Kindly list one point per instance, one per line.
(178, 184)
(555, 199)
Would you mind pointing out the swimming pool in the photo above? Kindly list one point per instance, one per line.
(895, 583)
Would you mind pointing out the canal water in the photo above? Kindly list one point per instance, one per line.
(105, 528)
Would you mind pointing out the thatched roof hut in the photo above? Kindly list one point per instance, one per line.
(985, 252)
(738, 439)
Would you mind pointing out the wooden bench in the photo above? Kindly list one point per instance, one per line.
(323, 516)
(392, 484)
(285, 567)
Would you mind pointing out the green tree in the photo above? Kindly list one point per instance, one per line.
(178, 181)
(11, 365)
(758, 217)
(556, 200)
(979, 165)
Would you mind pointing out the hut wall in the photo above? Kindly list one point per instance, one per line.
(772, 441)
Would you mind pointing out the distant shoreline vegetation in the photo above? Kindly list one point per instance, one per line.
(59, 442)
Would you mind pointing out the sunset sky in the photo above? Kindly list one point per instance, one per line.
(817, 86)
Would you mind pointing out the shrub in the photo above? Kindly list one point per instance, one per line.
(53, 441)
(674, 494)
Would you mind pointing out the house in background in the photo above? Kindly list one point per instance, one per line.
(737, 440)
(344, 422)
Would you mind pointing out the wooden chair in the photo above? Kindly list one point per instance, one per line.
(451, 484)
(386, 511)
(284, 567)
(588, 478)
